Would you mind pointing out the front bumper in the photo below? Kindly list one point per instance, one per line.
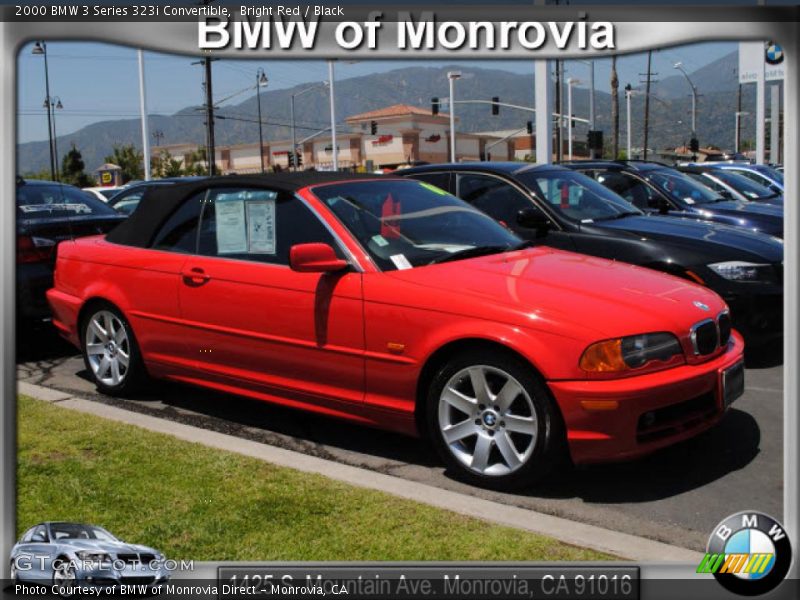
(605, 419)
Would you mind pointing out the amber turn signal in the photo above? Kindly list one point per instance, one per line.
(603, 357)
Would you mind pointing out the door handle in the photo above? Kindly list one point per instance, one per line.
(195, 276)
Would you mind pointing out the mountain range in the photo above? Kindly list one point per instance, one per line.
(670, 107)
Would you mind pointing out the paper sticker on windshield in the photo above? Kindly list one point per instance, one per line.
(231, 230)
(261, 227)
(400, 261)
(380, 240)
(433, 188)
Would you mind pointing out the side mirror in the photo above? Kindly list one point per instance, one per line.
(315, 258)
(530, 218)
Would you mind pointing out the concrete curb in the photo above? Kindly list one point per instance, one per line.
(589, 536)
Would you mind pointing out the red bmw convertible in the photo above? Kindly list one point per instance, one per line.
(389, 302)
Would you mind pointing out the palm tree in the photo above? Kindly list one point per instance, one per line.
(614, 109)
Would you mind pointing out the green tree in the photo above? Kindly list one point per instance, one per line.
(72, 169)
(130, 159)
(43, 174)
(196, 162)
(167, 166)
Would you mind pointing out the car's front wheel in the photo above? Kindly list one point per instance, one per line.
(64, 577)
(110, 351)
(493, 421)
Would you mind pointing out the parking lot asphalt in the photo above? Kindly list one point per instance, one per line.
(675, 496)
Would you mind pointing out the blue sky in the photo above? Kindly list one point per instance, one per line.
(99, 82)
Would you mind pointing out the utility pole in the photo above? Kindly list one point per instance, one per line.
(615, 111)
(738, 136)
(211, 158)
(649, 76)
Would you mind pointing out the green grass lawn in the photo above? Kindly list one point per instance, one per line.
(195, 502)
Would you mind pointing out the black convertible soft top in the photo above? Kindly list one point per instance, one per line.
(159, 202)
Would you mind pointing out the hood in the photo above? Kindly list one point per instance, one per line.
(105, 546)
(754, 207)
(571, 294)
(734, 242)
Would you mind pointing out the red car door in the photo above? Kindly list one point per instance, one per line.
(257, 324)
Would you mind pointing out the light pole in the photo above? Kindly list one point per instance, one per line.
(291, 107)
(680, 68)
(738, 130)
(334, 147)
(51, 104)
(261, 81)
(40, 49)
(451, 77)
(628, 94)
(570, 82)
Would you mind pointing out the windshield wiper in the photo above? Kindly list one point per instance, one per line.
(621, 215)
(470, 253)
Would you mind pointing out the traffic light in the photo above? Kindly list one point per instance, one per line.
(595, 141)
(290, 158)
(373, 127)
(298, 161)
(495, 105)
(529, 125)
(694, 145)
(435, 106)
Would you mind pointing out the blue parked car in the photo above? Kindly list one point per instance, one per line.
(761, 174)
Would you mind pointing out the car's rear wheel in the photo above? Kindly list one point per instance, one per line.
(493, 421)
(110, 351)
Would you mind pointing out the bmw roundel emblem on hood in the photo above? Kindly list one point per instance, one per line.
(701, 306)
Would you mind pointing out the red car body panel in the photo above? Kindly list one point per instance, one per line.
(353, 345)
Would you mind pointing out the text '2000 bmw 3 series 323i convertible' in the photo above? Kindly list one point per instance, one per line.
(391, 303)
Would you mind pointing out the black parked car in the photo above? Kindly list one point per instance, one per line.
(657, 188)
(555, 206)
(733, 185)
(47, 213)
(126, 201)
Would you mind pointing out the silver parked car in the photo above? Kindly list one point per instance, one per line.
(71, 554)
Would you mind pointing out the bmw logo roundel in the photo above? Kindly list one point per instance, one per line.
(701, 305)
(749, 553)
(773, 54)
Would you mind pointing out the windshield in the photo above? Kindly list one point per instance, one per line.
(770, 172)
(405, 224)
(50, 201)
(743, 185)
(576, 196)
(681, 188)
(76, 531)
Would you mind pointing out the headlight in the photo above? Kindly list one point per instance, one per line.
(93, 557)
(632, 352)
(743, 271)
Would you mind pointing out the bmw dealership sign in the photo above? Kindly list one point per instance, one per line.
(754, 56)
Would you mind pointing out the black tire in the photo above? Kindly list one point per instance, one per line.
(544, 451)
(134, 374)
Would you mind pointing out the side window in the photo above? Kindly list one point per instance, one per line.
(440, 180)
(39, 534)
(179, 232)
(753, 176)
(496, 198)
(631, 189)
(127, 203)
(257, 225)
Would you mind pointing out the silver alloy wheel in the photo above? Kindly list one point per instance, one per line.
(108, 348)
(64, 577)
(488, 420)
